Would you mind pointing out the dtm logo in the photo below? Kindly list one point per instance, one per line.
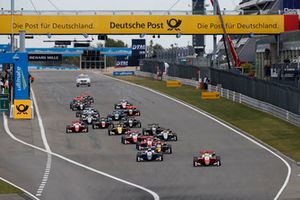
(174, 24)
(22, 109)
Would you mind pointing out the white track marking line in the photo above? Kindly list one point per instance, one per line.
(23, 190)
(5, 122)
(46, 145)
(223, 124)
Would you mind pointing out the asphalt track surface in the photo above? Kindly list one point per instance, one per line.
(247, 171)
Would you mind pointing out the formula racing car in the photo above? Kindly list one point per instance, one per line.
(77, 127)
(88, 110)
(119, 129)
(89, 117)
(131, 122)
(131, 111)
(207, 158)
(78, 105)
(167, 135)
(102, 123)
(155, 144)
(122, 104)
(149, 155)
(117, 115)
(133, 137)
(152, 129)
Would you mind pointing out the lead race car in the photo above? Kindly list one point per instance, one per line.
(77, 127)
(207, 158)
(103, 123)
(131, 122)
(149, 155)
(131, 111)
(122, 104)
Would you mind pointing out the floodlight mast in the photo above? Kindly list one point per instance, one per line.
(12, 11)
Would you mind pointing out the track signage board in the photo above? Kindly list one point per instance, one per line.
(146, 24)
(22, 109)
(44, 57)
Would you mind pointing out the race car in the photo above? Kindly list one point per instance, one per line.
(89, 117)
(167, 135)
(119, 129)
(149, 155)
(155, 144)
(83, 79)
(117, 115)
(207, 158)
(77, 127)
(152, 129)
(87, 97)
(133, 137)
(78, 105)
(102, 123)
(122, 104)
(88, 110)
(131, 122)
(131, 111)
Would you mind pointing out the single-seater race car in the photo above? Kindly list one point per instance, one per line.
(78, 105)
(122, 104)
(88, 110)
(207, 158)
(132, 111)
(167, 135)
(155, 144)
(131, 122)
(149, 155)
(118, 129)
(117, 115)
(89, 117)
(133, 137)
(77, 127)
(102, 123)
(152, 129)
(87, 97)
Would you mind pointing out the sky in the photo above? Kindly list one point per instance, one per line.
(165, 41)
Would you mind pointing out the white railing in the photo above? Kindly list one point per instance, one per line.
(257, 104)
(237, 97)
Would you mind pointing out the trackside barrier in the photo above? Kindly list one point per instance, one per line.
(210, 95)
(240, 98)
(260, 105)
(173, 83)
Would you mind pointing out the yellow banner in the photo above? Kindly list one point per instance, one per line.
(22, 109)
(142, 24)
(210, 95)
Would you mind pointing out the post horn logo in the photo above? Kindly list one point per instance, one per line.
(22, 109)
(174, 24)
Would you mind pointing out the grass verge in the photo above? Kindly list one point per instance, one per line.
(6, 188)
(281, 135)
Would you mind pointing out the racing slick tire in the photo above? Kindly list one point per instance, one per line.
(137, 145)
(175, 138)
(161, 157)
(218, 160)
(169, 151)
(77, 85)
(123, 139)
(195, 160)
(67, 130)
(138, 159)
(144, 132)
(139, 125)
(89, 85)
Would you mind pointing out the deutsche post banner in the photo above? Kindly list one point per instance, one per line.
(147, 24)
